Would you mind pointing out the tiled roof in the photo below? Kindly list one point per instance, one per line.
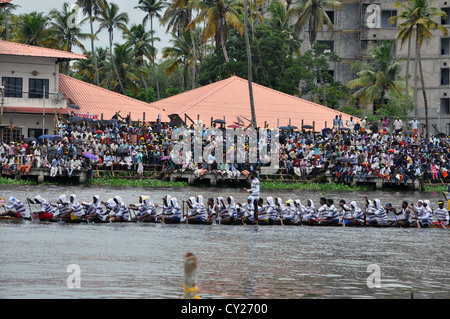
(19, 49)
(229, 98)
(93, 99)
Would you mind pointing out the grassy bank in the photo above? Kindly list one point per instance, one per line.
(138, 182)
(313, 186)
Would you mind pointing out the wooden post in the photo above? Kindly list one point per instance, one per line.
(190, 277)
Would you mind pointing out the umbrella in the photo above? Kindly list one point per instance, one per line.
(233, 126)
(76, 119)
(327, 129)
(344, 159)
(441, 135)
(55, 137)
(166, 158)
(29, 139)
(219, 121)
(408, 132)
(345, 129)
(44, 136)
(293, 127)
(286, 128)
(307, 127)
(99, 132)
(90, 156)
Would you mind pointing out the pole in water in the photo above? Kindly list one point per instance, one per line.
(190, 277)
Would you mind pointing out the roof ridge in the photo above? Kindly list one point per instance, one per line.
(207, 94)
(295, 97)
(39, 47)
(112, 92)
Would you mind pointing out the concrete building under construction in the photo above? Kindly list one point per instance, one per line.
(360, 23)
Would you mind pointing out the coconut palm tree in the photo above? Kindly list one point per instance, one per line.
(177, 17)
(249, 62)
(418, 20)
(111, 18)
(139, 39)
(217, 15)
(63, 35)
(179, 54)
(380, 79)
(153, 9)
(312, 13)
(32, 29)
(91, 8)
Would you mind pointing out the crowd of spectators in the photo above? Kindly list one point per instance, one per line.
(395, 151)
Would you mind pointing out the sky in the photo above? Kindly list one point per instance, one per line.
(135, 17)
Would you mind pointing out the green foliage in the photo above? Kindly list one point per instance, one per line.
(146, 95)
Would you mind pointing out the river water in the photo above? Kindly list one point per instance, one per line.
(144, 260)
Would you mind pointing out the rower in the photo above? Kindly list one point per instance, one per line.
(76, 210)
(392, 211)
(404, 216)
(211, 209)
(94, 210)
(222, 212)
(442, 214)
(46, 211)
(309, 213)
(379, 216)
(263, 216)
(357, 215)
(109, 206)
(289, 213)
(249, 208)
(323, 209)
(331, 215)
(167, 208)
(271, 211)
(175, 217)
(194, 216)
(15, 209)
(232, 210)
(144, 209)
(120, 210)
(63, 208)
(346, 212)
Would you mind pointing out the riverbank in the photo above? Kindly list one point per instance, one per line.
(149, 182)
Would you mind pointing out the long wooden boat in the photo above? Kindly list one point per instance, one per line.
(210, 222)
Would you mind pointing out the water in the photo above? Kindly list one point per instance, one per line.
(137, 260)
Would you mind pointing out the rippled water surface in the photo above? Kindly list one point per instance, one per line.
(136, 260)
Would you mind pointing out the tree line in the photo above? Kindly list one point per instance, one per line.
(208, 43)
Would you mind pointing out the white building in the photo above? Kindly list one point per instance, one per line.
(30, 96)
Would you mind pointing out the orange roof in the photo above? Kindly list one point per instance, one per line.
(230, 98)
(20, 49)
(92, 99)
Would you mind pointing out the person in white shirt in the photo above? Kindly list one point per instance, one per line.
(398, 126)
(442, 214)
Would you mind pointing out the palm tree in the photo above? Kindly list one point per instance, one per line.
(179, 54)
(32, 29)
(110, 18)
(249, 62)
(139, 39)
(92, 9)
(381, 78)
(419, 17)
(313, 14)
(125, 61)
(217, 15)
(152, 8)
(177, 17)
(63, 35)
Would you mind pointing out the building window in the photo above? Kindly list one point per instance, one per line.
(36, 88)
(385, 16)
(445, 76)
(445, 19)
(445, 46)
(329, 44)
(36, 132)
(330, 15)
(13, 86)
(445, 106)
(9, 135)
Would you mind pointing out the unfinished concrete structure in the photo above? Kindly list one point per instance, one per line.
(361, 23)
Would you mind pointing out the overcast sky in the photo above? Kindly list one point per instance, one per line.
(135, 16)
